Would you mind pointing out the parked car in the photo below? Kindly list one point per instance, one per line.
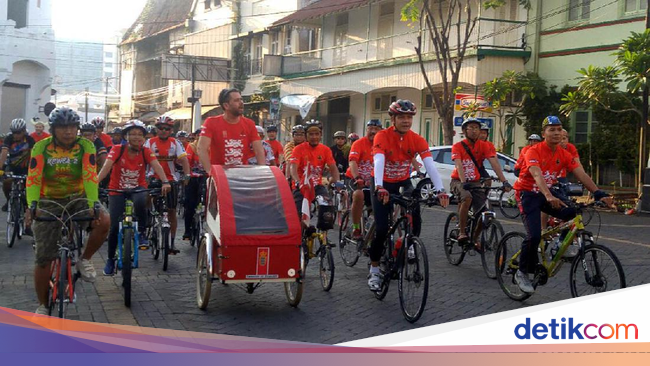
(442, 157)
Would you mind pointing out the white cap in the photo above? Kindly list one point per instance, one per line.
(260, 129)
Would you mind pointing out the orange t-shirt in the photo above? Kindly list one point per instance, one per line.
(316, 157)
(276, 146)
(230, 143)
(481, 150)
(361, 152)
(399, 150)
(571, 148)
(550, 162)
(40, 137)
(520, 162)
(107, 140)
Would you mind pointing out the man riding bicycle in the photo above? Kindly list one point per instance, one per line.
(468, 156)
(533, 140)
(39, 130)
(278, 151)
(126, 165)
(308, 162)
(298, 135)
(100, 124)
(193, 188)
(63, 169)
(168, 150)
(88, 131)
(360, 172)
(393, 152)
(543, 164)
(15, 152)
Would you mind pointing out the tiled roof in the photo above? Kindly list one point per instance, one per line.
(156, 17)
(320, 9)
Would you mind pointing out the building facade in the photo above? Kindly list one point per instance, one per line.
(27, 59)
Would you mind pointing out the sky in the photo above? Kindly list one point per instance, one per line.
(93, 20)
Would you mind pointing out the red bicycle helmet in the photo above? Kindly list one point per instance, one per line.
(402, 106)
(165, 121)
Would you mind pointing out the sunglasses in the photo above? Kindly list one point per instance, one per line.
(339, 138)
(165, 129)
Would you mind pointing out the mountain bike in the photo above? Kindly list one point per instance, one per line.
(159, 228)
(595, 269)
(316, 244)
(15, 208)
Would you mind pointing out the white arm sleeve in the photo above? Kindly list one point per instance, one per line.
(430, 166)
(379, 162)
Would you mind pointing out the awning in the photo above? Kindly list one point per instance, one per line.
(149, 116)
(321, 8)
(186, 112)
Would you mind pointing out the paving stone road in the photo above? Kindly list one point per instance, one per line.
(348, 312)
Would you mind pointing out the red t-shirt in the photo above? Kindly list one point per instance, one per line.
(129, 172)
(230, 143)
(316, 157)
(571, 148)
(481, 150)
(550, 162)
(40, 137)
(399, 151)
(361, 152)
(277, 148)
(520, 162)
(196, 169)
(107, 140)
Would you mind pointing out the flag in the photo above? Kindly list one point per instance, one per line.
(308, 195)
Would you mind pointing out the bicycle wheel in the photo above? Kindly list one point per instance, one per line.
(347, 246)
(196, 231)
(154, 241)
(62, 302)
(385, 264)
(19, 219)
(508, 204)
(293, 290)
(506, 263)
(413, 285)
(203, 278)
(326, 265)
(13, 224)
(492, 235)
(52, 295)
(601, 271)
(454, 252)
(164, 246)
(127, 245)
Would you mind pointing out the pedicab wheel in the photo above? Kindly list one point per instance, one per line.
(506, 262)
(293, 290)
(347, 247)
(453, 251)
(165, 247)
(203, 278)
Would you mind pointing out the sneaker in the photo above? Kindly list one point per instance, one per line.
(42, 310)
(524, 283)
(143, 240)
(410, 254)
(187, 236)
(85, 267)
(109, 268)
(356, 234)
(374, 281)
(5, 207)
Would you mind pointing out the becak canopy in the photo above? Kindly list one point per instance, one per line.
(251, 205)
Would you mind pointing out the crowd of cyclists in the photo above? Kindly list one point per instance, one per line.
(79, 158)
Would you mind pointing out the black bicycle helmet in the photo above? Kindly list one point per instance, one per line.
(297, 128)
(88, 127)
(63, 116)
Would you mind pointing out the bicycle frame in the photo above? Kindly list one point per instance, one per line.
(129, 221)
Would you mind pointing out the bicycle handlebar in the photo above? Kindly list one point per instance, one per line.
(12, 176)
(53, 218)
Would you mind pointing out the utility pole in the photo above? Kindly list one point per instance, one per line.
(86, 105)
(193, 91)
(106, 101)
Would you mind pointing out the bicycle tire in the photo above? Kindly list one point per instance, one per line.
(349, 251)
(601, 284)
(165, 247)
(326, 265)
(12, 224)
(454, 252)
(19, 219)
(154, 242)
(508, 246)
(294, 290)
(508, 205)
(385, 264)
(54, 282)
(203, 278)
(196, 232)
(63, 284)
(418, 278)
(127, 245)
(492, 234)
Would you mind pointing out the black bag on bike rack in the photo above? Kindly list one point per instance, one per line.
(326, 215)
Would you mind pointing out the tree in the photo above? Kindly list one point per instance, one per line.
(599, 87)
(449, 51)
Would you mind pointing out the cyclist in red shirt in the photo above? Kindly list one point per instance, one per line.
(227, 139)
(278, 151)
(168, 150)
(533, 140)
(542, 167)
(39, 127)
(360, 171)
(308, 161)
(571, 148)
(129, 162)
(393, 152)
(467, 175)
(100, 124)
(193, 188)
(183, 138)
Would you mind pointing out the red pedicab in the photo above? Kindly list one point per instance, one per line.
(252, 234)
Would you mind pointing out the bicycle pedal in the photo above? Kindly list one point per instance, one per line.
(143, 247)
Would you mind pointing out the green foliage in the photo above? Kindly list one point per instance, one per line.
(411, 11)
(633, 59)
(239, 61)
(544, 105)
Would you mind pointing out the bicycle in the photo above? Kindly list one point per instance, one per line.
(407, 263)
(349, 248)
(508, 205)
(492, 231)
(15, 209)
(595, 278)
(341, 200)
(196, 231)
(128, 239)
(62, 280)
(322, 251)
(159, 228)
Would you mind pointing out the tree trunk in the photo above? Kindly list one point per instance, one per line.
(447, 120)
